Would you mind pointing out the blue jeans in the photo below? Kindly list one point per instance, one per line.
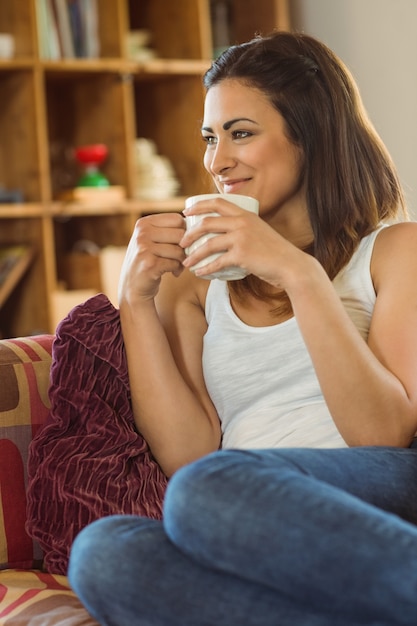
(283, 537)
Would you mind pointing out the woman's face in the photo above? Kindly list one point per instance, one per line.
(248, 151)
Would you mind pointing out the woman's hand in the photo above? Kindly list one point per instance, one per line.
(244, 240)
(153, 250)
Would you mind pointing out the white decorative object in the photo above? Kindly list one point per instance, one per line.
(137, 46)
(6, 46)
(155, 177)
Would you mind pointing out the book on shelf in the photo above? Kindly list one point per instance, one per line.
(14, 262)
(42, 21)
(68, 29)
(54, 38)
(64, 29)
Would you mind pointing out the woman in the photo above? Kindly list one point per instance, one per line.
(316, 348)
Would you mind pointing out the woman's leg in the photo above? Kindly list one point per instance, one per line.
(299, 522)
(127, 573)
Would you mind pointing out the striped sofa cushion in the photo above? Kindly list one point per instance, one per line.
(33, 597)
(24, 374)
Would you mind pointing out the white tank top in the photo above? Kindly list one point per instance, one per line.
(262, 380)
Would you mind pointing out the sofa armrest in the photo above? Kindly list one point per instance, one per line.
(25, 364)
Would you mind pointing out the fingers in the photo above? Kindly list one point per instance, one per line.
(219, 224)
(213, 245)
(159, 233)
(160, 228)
(153, 250)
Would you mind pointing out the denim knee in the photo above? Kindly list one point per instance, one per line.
(189, 483)
(83, 557)
(94, 552)
(203, 493)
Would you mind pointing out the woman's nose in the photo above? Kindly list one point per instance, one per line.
(219, 160)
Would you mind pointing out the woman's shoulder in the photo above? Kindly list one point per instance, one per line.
(398, 237)
(395, 251)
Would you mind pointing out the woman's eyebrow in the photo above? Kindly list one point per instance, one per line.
(229, 124)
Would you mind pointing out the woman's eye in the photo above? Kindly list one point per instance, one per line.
(209, 139)
(241, 134)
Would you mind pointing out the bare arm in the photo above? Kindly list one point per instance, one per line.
(164, 345)
(370, 388)
(388, 382)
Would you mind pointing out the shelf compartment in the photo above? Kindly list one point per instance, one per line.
(17, 18)
(114, 230)
(86, 109)
(179, 29)
(25, 311)
(171, 100)
(14, 262)
(19, 148)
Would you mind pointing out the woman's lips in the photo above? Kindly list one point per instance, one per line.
(233, 186)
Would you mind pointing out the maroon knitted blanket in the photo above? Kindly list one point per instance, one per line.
(88, 461)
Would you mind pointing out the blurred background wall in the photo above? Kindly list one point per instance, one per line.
(377, 40)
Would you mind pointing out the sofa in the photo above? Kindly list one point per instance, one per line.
(28, 595)
(70, 453)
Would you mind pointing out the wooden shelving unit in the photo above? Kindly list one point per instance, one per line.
(50, 106)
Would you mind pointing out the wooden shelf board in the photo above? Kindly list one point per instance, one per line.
(76, 66)
(57, 208)
(157, 206)
(173, 66)
(127, 207)
(13, 64)
(155, 67)
(29, 209)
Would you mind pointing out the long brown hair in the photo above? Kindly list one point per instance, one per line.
(351, 183)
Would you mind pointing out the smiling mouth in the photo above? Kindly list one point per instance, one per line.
(231, 185)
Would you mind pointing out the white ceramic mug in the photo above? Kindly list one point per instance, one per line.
(244, 202)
